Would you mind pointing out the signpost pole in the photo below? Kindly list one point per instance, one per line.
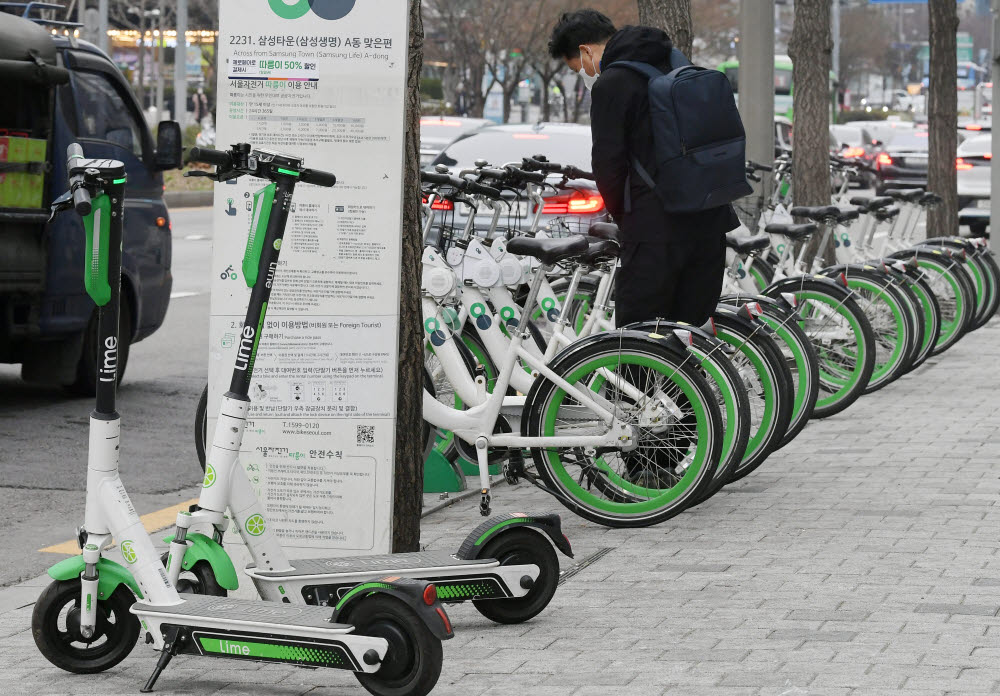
(756, 80)
(994, 169)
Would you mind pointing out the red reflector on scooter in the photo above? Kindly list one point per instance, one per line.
(430, 595)
(444, 617)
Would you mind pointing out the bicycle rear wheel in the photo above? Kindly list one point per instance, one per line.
(840, 334)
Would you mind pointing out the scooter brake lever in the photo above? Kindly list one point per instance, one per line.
(207, 175)
(64, 202)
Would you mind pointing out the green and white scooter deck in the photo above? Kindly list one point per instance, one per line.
(268, 631)
(326, 580)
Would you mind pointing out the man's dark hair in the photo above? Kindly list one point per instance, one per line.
(577, 28)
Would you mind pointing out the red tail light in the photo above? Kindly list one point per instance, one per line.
(961, 165)
(440, 204)
(430, 595)
(853, 152)
(974, 127)
(576, 203)
(883, 160)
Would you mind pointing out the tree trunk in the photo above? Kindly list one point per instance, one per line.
(942, 114)
(673, 17)
(409, 461)
(810, 50)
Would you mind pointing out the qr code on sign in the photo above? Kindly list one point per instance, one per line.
(366, 434)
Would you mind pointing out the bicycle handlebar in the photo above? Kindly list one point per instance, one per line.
(759, 167)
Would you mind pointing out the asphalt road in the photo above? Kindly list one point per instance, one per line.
(43, 461)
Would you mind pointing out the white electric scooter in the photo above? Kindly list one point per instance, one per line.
(388, 632)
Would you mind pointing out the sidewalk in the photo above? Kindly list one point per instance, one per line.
(861, 559)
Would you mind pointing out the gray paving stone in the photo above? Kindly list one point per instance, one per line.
(862, 559)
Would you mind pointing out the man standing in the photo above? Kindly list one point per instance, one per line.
(671, 263)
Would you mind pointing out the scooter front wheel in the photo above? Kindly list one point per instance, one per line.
(55, 626)
(412, 664)
(521, 547)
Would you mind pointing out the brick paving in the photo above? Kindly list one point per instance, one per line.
(861, 559)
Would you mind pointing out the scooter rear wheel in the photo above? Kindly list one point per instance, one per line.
(521, 547)
(55, 626)
(199, 580)
(412, 664)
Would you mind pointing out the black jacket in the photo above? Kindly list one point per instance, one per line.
(619, 118)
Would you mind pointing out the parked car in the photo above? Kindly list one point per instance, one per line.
(973, 164)
(57, 91)
(902, 162)
(856, 143)
(577, 205)
(883, 131)
(437, 132)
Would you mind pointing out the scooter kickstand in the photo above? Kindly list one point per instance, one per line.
(170, 647)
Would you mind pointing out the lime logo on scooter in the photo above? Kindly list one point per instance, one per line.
(209, 477)
(479, 313)
(128, 552)
(324, 9)
(247, 344)
(109, 362)
(229, 273)
(255, 525)
(549, 306)
(433, 327)
(509, 317)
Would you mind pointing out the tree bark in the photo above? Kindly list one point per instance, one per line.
(810, 49)
(942, 115)
(673, 17)
(409, 462)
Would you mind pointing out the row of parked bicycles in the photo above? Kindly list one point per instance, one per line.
(527, 374)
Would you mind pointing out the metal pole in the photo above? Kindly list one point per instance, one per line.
(161, 62)
(180, 65)
(994, 169)
(835, 30)
(102, 26)
(756, 79)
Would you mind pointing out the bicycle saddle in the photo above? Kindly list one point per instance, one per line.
(848, 215)
(599, 250)
(549, 251)
(796, 232)
(930, 199)
(819, 213)
(605, 230)
(744, 244)
(884, 214)
(871, 204)
(908, 195)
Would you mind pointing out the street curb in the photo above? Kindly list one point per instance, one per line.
(188, 199)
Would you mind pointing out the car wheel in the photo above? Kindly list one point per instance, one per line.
(978, 229)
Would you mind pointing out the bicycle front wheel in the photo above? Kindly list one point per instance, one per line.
(652, 385)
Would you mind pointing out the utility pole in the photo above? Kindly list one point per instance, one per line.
(995, 147)
(102, 25)
(180, 65)
(756, 80)
(161, 60)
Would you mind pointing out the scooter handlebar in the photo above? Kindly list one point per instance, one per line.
(208, 156)
(317, 177)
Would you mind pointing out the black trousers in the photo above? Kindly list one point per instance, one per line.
(670, 274)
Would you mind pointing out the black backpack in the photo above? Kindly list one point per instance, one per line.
(698, 139)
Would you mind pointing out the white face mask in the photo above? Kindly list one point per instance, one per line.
(588, 80)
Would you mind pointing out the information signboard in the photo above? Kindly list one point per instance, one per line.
(323, 79)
